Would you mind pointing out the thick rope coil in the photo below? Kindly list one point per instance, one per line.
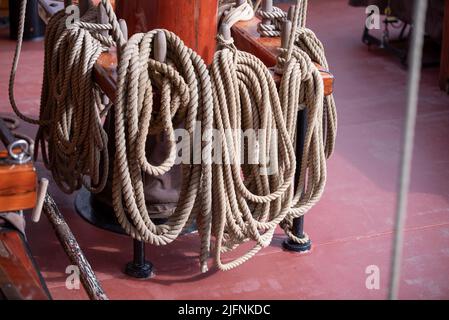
(71, 137)
(237, 93)
(308, 92)
(72, 140)
(185, 94)
(276, 17)
(248, 207)
(12, 124)
(306, 40)
(318, 142)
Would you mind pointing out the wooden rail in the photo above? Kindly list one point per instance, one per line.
(244, 33)
(247, 38)
(17, 185)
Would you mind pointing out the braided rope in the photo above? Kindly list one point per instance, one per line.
(232, 201)
(245, 96)
(276, 17)
(185, 89)
(72, 140)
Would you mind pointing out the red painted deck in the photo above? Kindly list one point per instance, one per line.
(351, 228)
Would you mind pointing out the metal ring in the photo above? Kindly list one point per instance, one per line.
(23, 156)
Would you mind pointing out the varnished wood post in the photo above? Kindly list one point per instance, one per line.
(286, 31)
(192, 20)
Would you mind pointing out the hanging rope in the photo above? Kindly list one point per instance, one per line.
(273, 29)
(70, 136)
(234, 202)
(186, 94)
(250, 206)
(245, 97)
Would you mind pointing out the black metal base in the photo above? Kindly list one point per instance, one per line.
(103, 217)
(139, 271)
(100, 217)
(289, 245)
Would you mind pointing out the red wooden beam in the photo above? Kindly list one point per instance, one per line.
(246, 38)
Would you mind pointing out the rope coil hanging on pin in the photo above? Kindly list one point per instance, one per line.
(70, 136)
(185, 94)
(245, 97)
(235, 203)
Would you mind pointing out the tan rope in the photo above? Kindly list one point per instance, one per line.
(186, 93)
(231, 13)
(74, 143)
(232, 201)
(276, 16)
(245, 97)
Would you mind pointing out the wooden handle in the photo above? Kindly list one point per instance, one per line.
(160, 47)
(41, 192)
(291, 13)
(286, 31)
(267, 5)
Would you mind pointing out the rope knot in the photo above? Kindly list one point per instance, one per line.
(226, 43)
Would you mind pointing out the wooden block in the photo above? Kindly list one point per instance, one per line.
(17, 185)
(246, 38)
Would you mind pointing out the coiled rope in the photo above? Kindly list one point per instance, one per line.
(70, 136)
(245, 97)
(276, 16)
(236, 203)
(186, 94)
(249, 207)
